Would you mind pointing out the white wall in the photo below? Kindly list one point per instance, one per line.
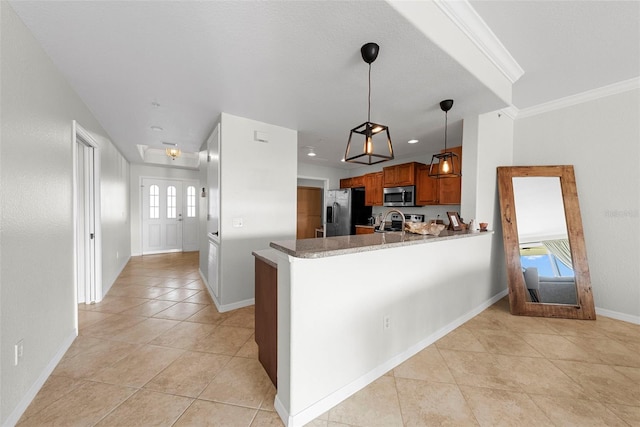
(115, 212)
(258, 184)
(139, 171)
(601, 139)
(334, 175)
(37, 296)
(331, 340)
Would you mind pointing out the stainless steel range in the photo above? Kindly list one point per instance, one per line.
(396, 220)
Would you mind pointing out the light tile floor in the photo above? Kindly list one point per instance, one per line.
(156, 352)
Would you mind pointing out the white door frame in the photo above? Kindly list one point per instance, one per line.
(93, 291)
(184, 183)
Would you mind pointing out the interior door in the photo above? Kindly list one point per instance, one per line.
(309, 212)
(162, 216)
(85, 225)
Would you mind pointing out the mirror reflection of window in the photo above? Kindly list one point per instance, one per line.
(545, 254)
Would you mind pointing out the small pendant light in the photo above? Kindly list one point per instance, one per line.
(447, 163)
(368, 155)
(173, 152)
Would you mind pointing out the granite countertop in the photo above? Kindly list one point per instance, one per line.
(270, 256)
(342, 245)
(365, 226)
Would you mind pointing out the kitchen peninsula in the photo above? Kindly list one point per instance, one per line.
(350, 308)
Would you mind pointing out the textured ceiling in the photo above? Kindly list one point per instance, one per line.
(298, 65)
(565, 47)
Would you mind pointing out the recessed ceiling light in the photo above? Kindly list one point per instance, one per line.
(311, 153)
(156, 128)
(413, 141)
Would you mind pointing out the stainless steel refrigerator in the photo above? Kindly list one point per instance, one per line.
(344, 210)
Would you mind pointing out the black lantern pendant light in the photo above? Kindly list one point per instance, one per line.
(369, 155)
(447, 163)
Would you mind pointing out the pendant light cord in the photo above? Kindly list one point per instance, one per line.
(369, 104)
(446, 116)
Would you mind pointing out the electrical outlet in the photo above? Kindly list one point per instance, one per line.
(386, 322)
(18, 352)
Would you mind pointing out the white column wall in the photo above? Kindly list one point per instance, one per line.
(258, 186)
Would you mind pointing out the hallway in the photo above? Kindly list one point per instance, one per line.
(156, 352)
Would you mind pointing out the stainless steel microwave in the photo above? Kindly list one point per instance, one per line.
(399, 196)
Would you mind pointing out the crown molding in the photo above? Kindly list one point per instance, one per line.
(465, 17)
(590, 95)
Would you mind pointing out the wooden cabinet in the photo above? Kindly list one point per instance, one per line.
(345, 183)
(426, 187)
(450, 189)
(353, 182)
(363, 229)
(266, 317)
(373, 189)
(444, 191)
(357, 181)
(400, 175)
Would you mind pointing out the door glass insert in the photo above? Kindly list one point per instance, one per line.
(191, 201)
(171, 201)
(154, 202)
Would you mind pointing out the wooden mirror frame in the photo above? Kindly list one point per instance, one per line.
(518, 303)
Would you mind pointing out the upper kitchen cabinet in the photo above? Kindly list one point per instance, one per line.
(450, 189)
(443, 191)
(400, 175)
(373, 189)
(426, 187)
(345, 183)
(354, 182)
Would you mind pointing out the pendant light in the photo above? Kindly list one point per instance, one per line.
(173, 152)
(369, 131)
(447, 163)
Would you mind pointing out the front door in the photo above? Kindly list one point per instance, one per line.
(162, 215)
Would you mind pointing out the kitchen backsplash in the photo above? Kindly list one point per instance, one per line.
(429, 212)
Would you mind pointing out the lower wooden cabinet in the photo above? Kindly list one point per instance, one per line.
(266, 317)
(364, 230)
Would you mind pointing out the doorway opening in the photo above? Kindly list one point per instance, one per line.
(310, 211)
(86, 216)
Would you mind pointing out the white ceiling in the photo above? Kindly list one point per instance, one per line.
(298, 65)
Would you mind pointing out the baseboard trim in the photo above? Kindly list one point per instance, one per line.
(618, 316)
(225, 307)
(42, 378)
(105, 290)
(325, 404)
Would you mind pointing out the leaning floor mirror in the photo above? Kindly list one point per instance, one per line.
(547, 268)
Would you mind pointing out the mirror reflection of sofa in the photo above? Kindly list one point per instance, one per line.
(550, 290)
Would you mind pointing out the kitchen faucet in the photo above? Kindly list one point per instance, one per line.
(384, 219)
